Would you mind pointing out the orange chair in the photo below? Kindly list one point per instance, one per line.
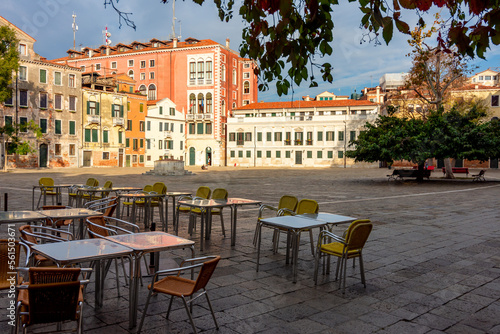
(30, 235)
(177, 286)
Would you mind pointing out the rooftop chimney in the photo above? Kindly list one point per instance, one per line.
(227, 43)
(107, 50)
(175, 42)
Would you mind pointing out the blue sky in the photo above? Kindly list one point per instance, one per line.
(356, 65)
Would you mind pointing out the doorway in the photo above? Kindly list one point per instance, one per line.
(298, 157)
(44, 155)
(87, 158)
(208, 156)
(192, 156)
(120, 157)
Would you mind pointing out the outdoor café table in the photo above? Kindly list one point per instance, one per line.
(143, 243)
(329, 218)
(72, 213)
(235, 203)
(205, 206)
(8, 217)
(43, 190)
(147, 204)
(173, 195)
(294, 225)
(85, 250)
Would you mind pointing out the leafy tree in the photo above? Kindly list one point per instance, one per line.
(443, 135)
(9, 61)
(285, 37)
(12, 143)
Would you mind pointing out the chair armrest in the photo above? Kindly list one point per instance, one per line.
(327, 234)
(116, 221)
(112, 231)
(27, 250)
(268, 207)
(282, 212)
(56, 230)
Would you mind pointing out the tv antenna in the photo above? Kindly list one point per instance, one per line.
(75, 29)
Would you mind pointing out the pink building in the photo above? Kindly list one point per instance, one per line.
(206, 81)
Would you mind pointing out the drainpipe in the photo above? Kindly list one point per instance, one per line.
(254, 145)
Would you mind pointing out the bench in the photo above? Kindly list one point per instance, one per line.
(400, 174)
(479, 177)
(428, 167)
(463, 170)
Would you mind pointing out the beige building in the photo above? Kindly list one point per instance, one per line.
(103, 123)
(298, 133)
(487, 77)
(50, 95)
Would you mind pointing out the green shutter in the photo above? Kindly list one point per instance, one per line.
(88, 107)
(200, 128)
(97, 108)
(95, 137)
(72, 128)
(87, 135)
(105, 136)
(121, 111)
(120, 137)
(58, 127)
(161, 110)
(112, 110)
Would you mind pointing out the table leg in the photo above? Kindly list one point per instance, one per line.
(133, 211)
(134, 287)
(118, 210)
(33, 199)
(98, 284)
(234, 215)
(165, 228)
(174, 212)
(287, 257)
(203, 213)
(259, 226)
(295, 253)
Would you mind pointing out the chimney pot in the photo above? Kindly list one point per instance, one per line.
(227, 43)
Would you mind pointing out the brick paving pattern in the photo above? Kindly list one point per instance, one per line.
(432, 261)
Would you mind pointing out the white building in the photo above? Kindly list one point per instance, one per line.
(488, 77)
(164, 132)
(392, 81)
(298, 133)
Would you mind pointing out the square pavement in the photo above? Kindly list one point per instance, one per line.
(432, 261)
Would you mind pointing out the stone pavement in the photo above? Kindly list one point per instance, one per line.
(432, 261)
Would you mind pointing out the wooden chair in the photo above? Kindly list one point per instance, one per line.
(184, 288)
(10, 252)
(51, 295)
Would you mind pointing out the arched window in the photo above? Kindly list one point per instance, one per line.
(234, 77)
(143, 89)
(223, 73)
(192, 72)
(246, 87)
(192, 103)
(223, 108)
(208, 70)
(208, 109)
(201, 71)
(131, 74)
(200, 103)
(151, 92)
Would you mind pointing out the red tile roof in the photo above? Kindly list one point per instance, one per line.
(306, 104)
(472, 86)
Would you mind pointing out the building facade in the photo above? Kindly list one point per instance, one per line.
(204, 79)
(296, 134)
(103, 120)
(165, 132)
(49, 94)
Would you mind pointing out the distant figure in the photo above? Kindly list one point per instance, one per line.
(204, 167)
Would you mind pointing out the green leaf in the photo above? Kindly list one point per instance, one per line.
(388, 29)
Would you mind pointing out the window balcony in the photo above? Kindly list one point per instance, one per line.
(190, 117)
(309, 142)
(298, 142)
(118, 121)
(168, 134)
(199, 117)
(91, 119)
(288, 142)
(209, 116)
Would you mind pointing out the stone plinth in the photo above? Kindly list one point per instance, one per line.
(168, 167)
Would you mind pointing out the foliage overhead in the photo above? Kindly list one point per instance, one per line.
(15, 144)
(443, 135)
(9, 60)
(285, 37)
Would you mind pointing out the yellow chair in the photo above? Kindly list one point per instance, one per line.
(157, 202)
(348, 247)
(128, 204)
(218, 194)
(203, 192)
(304, 206)
(46, 189)
(91, 182)
(286, 202)
(107, 185)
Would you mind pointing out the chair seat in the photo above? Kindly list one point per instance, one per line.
(173, 285)
(51, 193)
(337, 249)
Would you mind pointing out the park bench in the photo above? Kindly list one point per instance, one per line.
(463, 170)
(479, 177)
(400, 174)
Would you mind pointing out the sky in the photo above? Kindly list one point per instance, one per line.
(356, 65)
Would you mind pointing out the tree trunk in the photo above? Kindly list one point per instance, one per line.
(448, 169)
(420, 172)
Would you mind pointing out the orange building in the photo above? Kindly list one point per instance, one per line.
(206, 81)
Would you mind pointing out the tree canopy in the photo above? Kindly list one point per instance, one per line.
(452, 134)
(9, 61)
(287, 37)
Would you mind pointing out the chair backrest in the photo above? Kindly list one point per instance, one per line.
(53, 302)
(111, 206)
(28, 237)
(307, 206)
(206, 271)
(46, 181)
(219, 193)
(92, 182)
(358, 236)
(203, 192)
(94, 229)
(347, 232)
(147, 188)
(53, 294)
(108, 184)
(8, 249)
(288, 202)
(159, 188)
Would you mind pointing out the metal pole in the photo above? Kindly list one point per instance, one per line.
(5, 201)
(345, 142)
